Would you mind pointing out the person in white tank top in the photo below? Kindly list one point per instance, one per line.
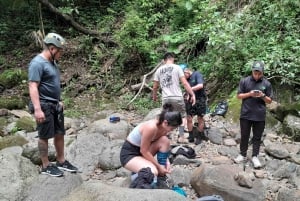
(149, 139)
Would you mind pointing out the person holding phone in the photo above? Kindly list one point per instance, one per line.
(255, 91)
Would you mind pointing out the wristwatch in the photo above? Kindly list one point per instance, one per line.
(263, 96)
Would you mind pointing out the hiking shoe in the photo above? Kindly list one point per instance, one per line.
(191, 140)
(256, 162)
(204, 136)
(198, 141)
(240, 159)
(67, 166)
(191, 137)
(52, 170)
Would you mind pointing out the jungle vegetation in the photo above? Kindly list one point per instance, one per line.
(125, 39)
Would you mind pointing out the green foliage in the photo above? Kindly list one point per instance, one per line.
(220, 38)
(11, 103)
(13, 140)
(14, 130)
(141, 105)
(12, 77)
(2, 59)
(26, 123)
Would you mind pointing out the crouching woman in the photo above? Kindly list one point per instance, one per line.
(147, 140)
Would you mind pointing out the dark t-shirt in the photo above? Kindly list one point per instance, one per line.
(254, 108)
(48, 75)
(197, 78)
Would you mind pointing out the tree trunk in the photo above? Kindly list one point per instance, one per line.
(74, 24)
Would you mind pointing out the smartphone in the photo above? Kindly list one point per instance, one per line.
(256, 91)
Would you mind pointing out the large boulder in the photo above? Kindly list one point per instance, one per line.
(98, 191)
(17, 174)
(291, 127)
(208, 180)
(46, 188)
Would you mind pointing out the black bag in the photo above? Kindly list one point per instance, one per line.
(184, 150)
(221, 108)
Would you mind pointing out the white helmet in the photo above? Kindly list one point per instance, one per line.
(54, 39)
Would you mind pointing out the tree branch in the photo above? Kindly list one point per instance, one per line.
(74, 24)
(144, 81)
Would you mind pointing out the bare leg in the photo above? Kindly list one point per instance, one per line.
(162, 145)
(43, 149)
(139, 162)
(200, 123)
(189, 123)
(59, 147)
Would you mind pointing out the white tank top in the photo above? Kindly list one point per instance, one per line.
(135, 136)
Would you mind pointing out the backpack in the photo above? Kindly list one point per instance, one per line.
(221, 108)
(210, 198)
(184, 150)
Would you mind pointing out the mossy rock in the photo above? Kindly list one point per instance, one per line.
(271, 121)
(3, 123)
(12, 77)
(285, 109)
(12, 103)
(234, 110)
(26, 123)
(12, 140)
(291, 127)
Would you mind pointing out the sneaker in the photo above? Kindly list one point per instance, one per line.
(52, 170)
(240, 159)
(256, 162)
(67, 166)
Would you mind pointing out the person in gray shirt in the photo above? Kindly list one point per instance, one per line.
(45, 104)
(168, 77)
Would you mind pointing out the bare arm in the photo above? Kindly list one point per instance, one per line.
(189, 89)
(197, 87)
(253, 94)
(35, 99)
(148, 131)
(155, 88)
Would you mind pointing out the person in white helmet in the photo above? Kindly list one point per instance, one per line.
(46, 105)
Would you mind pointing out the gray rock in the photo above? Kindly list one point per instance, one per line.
(98, 191)
(208, 180)
(244, 179)
(277, 150)
(215, 135)
(291, 126)
(181, 176)
(286, 194)
(47, 188)
(17, 174)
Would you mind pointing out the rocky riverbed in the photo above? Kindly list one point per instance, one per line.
(93, 144)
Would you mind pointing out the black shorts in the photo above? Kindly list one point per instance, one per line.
(198, 109)
(128, 151)
(54, 120)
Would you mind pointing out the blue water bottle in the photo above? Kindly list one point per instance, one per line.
(114, 119)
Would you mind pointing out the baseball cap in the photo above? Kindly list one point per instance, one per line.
(258, 66)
